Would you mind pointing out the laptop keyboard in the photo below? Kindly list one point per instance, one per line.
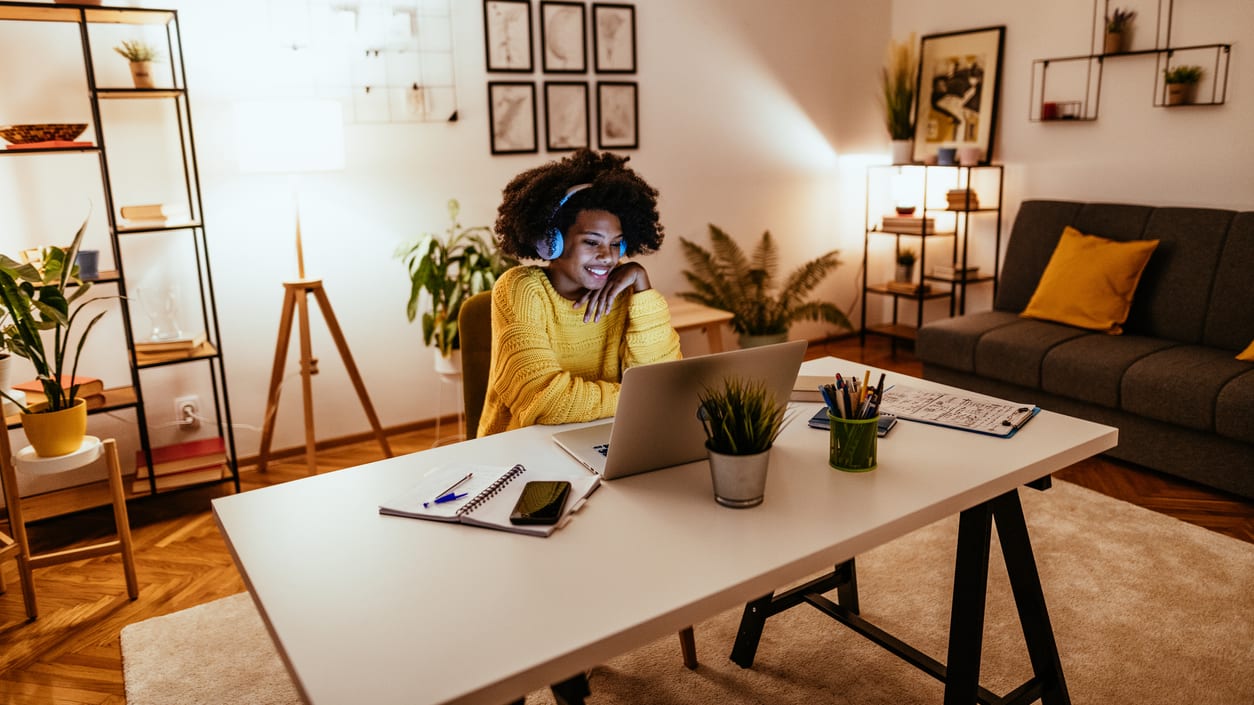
(603, 449)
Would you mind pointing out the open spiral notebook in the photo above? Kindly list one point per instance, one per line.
(490, 494)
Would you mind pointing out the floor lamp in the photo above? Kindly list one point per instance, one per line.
(293, 137)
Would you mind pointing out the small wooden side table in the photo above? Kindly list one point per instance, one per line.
(686, 315)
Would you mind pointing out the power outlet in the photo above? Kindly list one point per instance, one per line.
(187, 412)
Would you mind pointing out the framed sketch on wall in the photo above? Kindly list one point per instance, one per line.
(614, 37)
(563, 41)
(512, 117)
(617, 114)
(959, 76)
(507, 35)
(566, 115)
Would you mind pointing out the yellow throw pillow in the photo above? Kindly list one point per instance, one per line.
(1247, 354)
(1089, 281)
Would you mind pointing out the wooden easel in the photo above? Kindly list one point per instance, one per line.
(296, 300)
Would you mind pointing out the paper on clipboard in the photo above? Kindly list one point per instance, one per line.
(995, 417)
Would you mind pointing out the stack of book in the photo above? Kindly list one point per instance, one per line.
(953, 271)
(170, 349)
(155, 214)
(181, 464)
(911, 225)
(90, 390)
(908, 288)
(962, 199)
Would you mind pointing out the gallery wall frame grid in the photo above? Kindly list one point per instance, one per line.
(959, 79)
(563, 36)
(508, 36)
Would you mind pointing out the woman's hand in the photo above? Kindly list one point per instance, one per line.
(627, 275)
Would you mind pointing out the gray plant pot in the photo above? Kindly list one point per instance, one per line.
(757, 341)
(739, 480)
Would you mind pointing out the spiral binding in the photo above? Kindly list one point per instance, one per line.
(491, 490)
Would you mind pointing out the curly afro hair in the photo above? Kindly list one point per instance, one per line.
(530, 204)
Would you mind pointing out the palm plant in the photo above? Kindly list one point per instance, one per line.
(725, 278)
(35, 300)
(898, 78)
(740, 418)
(450, 269)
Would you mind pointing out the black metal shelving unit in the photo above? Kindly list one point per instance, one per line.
(959, 236)
(175, 98)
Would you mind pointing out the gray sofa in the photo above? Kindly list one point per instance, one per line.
(1171, 384)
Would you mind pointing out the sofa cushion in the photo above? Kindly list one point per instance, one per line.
(1089, 281)
(1230, 316)
(1169, 303)
(1180, 385)
(1013, 353)
(950, 342)
(1247, 354)
(1036, 231)
(1091, 367)
(1234, 410)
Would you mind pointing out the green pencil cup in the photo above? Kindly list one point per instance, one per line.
(853, 444)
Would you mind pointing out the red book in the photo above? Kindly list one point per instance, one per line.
(185, 456)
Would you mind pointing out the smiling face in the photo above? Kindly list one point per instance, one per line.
(590, 252)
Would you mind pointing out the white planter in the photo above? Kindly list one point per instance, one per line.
(141, 74)
(450, 366)
(739, 480)
(903, 151)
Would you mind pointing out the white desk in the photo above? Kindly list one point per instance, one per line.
(380, 609)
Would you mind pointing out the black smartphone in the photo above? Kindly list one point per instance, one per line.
(541, 502)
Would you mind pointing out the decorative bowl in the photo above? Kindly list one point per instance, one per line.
(905, 210)
(23, 134)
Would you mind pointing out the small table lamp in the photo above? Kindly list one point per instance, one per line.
(293, 137)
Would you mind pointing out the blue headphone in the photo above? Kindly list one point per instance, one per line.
(550, 247)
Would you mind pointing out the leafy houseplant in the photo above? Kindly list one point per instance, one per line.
(898, 84)
(724, 278)
(1181, 82)
(905, 264)
(450, 268)
(741, 420)
(38, 299)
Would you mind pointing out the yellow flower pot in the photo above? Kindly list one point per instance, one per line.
(53, 433)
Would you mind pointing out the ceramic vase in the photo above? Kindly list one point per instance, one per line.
(450, 366)
(53, 433)
(1116, 42)
(1180, 93)
(905, 273)
(141, 74)
(739, 480)
(903, 151)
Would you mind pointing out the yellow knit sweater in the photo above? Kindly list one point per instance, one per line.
(550, 367)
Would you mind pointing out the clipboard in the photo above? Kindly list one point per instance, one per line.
(977, 414)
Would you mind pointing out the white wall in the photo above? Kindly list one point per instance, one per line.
(753, 115)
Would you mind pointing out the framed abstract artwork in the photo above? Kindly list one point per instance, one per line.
(507, 35)
(617, 115)
(566, 121)
(614, 37)
(563, 38)
(512, 117)
(956, 106)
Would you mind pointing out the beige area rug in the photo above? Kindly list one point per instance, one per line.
(1146, 610)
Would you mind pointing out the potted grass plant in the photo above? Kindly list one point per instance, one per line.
(1181, 83)
(44, 301)
(723, 277)
(741, 419)
(450, 268)
(141, 55)
(905, 264)
(898, 78)
(1118, 30)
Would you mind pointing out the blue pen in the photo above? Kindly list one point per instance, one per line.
(827, 398)
(450, 497)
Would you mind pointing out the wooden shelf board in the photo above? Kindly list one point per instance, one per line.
(884, 289)
(71, 13)
(202, 352)
(157, 227)
(52, 150)
(883, 231)
(137, 93)
(899, 331)
(958, 280)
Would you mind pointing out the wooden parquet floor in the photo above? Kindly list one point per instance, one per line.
(71, 654)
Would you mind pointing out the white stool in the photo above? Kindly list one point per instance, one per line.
(90, 451)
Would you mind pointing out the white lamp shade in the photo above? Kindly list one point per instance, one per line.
(289, 136)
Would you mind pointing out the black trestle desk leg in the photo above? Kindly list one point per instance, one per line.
(571, 691)
(750, 632)
(966, 621)
(1025, 583)
(847, 588)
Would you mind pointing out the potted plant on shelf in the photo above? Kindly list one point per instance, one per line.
(898, 79)
(905, 265)
(1118, 30)
(1181, 83)
(450, 268)
(741, 419)
(141, 55)
(724, 278)
(38, 302)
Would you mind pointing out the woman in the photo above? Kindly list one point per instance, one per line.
(562, 333)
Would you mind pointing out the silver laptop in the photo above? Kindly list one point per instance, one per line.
(656, 423)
